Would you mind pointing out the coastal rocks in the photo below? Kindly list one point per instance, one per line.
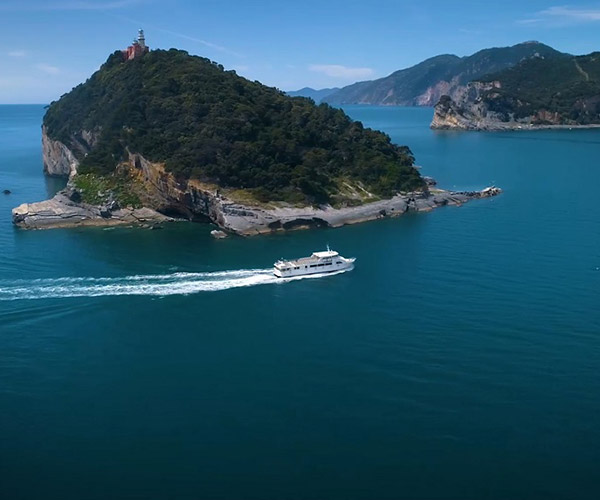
(73, 194)
(479, 106)
(468, 111)
(485, 193)
(259, 220)
(190, 200)
(58, 159)
(193, 200)
(218, 234)
(60, 211)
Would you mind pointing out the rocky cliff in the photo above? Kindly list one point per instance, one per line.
(166, 199)
(468, 111)
(562, 92)
(58, 159)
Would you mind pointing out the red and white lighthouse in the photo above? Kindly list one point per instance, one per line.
(137, 48)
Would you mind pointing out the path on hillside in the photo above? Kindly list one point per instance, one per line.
(580, 69)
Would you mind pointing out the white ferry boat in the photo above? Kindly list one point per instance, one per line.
(319, 262)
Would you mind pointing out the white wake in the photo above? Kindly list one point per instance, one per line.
(160, 285)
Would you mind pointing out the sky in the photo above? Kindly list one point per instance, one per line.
(49, 46)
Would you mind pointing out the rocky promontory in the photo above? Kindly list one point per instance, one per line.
(539, 93)
(163, 198)
(231, 216)
(167, 135)
(62, 211)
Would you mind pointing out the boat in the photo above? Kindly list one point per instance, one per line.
(327, 261)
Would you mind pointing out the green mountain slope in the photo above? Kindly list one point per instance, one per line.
(536, 93)
(425, 83)
(568, 87)
(212, 125)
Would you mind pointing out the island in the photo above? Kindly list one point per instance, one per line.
(161, 135)
(538, 93)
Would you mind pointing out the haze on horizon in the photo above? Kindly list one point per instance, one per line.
(48, 47)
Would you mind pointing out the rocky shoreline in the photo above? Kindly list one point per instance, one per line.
(62, 212)
(165, 199)
(468, 111)
(248, 221)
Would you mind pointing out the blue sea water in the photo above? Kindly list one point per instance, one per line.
(460, 359)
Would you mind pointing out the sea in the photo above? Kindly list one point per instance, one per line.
(460, 358)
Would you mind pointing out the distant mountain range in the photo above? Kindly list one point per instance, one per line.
(315, 95)
(536, 93)
(425, 83)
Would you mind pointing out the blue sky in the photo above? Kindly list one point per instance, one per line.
(49, 46)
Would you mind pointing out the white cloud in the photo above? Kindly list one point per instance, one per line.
(47, 68)
(220, 48)
(17, 53)
(183, 36)
(341, 72)
(557, 16)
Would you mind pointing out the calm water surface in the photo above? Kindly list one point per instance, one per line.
(460, 359)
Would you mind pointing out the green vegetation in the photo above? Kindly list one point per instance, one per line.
(567, 86)
(405, 87)
(212, 125)
(99, 189)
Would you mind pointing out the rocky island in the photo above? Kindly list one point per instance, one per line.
(159, 135)
(556, 92)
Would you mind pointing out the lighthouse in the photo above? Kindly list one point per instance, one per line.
(141, 39)
(137, 48)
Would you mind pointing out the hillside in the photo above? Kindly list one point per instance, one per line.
(314, 94)
(213, 126)
(538, 92)
(425, 83)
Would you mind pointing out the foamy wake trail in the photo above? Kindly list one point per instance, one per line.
(152, 284)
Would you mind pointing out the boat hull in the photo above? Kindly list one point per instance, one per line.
(346, 265)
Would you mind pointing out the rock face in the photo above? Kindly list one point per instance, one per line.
(197, 202)
(468, 111)
(192, 201)
(61, 211)
(58, 159)
(474, 109)
(538, 93)
(218, 234)
(165, 197)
